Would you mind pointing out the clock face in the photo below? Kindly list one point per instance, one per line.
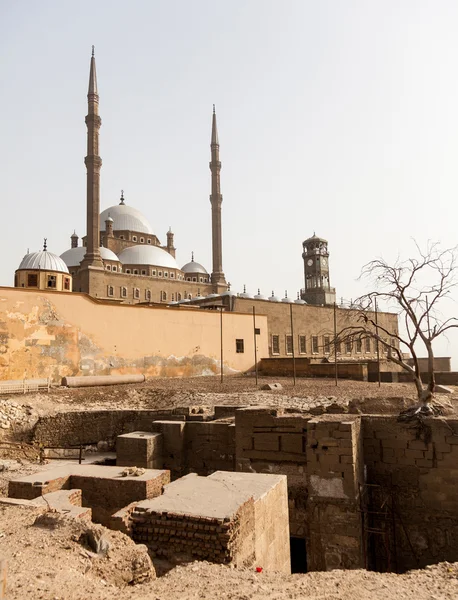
(310, 262)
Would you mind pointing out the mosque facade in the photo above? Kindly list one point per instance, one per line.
(121, 259)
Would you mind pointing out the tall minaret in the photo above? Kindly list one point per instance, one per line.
(93, 164)
(216, 198)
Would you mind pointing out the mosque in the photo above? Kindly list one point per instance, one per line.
(122, 260)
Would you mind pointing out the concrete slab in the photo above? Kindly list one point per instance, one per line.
(218, 496)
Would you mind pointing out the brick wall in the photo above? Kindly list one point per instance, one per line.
(216, 540)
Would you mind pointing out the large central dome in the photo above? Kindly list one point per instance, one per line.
(125, 218)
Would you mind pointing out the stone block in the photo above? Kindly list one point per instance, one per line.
(272, 386)
(442, 389)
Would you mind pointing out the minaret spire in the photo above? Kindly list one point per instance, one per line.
(216, 199)
(93, 164)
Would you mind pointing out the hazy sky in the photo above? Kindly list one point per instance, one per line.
(339, 117)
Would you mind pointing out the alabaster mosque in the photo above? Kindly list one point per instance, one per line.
(122, 260)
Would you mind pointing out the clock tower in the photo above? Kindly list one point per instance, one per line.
(318, 290)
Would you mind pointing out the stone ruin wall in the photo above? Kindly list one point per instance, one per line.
(341, 469)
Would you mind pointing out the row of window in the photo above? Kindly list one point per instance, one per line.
(32, 281)
(359, 344)
(134, 239)
(136, 294)
(154, 272)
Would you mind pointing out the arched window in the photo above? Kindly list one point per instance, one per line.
(136, 294)
(135, 271)
(148, 295)
(110, 290)
(134, 238)
(149, 241)
(163, 296)
(123, 292)
(142, 240)
(108, 268)
(178, 296)
(115, 268)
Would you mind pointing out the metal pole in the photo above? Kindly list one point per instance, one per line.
(255, 350)
(292, 343)
(335, 342)
(378, 347)
(221, 337)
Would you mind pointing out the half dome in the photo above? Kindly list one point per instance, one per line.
(125, 218)
(73, 256)
(44, 260)
(148, 255)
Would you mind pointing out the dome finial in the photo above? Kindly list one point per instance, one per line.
(244, 288)
(214, 110)
(192, 256)
(259, 291)
(122, 198)
(45, 244)
(286, 293)
(93, 48)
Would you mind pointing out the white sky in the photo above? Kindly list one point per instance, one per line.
(339, 117)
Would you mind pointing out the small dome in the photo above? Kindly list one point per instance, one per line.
(273, 298)
(109, 219)
(73, 256)
(148, 255)
(44, 260)
(212, 296)
(194, 267)
(286, 299)
(259, 296)
(299, 300)
(244, 294)
(125, 218)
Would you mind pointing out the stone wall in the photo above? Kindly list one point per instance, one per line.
(270, 442)
(347, 474)
(414, 474)
(283, 367)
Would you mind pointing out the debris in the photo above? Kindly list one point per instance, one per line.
(132, 472)
(272, 386)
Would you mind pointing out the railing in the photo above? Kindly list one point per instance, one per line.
(24, 386)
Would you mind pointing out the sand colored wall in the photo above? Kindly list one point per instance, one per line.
(52, 334)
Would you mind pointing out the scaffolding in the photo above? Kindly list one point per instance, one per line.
(381, 520)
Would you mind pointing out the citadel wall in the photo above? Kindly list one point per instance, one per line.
(52, 334)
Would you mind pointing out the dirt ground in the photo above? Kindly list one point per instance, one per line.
(49, 559)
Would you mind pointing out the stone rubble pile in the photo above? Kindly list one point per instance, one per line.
(13, 413)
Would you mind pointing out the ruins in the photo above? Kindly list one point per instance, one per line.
(255, 485)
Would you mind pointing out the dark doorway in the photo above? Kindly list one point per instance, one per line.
(298, 555)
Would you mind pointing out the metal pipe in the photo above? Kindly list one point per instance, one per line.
(378, 347)
(94, 380)
(335, 343)
(255, 349)
(221, 338)
(292, 343)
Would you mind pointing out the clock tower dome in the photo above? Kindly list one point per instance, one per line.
(318, 290)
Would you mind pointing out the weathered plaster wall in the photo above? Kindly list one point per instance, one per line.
(52, 334)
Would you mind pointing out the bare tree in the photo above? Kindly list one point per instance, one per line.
(414, 288)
